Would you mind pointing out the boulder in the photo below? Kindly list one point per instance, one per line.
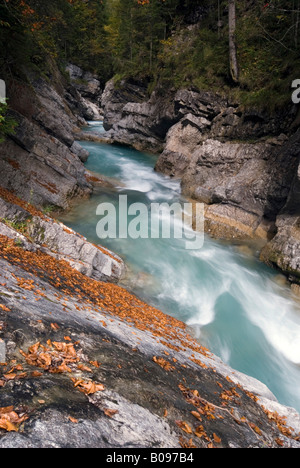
(42, 233)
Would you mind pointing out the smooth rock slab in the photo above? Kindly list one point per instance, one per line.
(149, 399)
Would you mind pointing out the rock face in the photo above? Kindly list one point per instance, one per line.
(37, 232)
(250, 190)
(247, 183)
(41, 162)
(40, 168)
(243, 165)
(128, 116)
(85, 94)
(89, 365)
(284, 249)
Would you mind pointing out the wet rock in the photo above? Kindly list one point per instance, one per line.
(244, 185)
(115, 97)
(91, 260)
(79, 151)
(134, 118)
(283, 251)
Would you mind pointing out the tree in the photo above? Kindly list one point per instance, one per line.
(233, 60)
(135, 29)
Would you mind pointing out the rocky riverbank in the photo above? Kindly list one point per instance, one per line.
(242, 164)
(89, 365)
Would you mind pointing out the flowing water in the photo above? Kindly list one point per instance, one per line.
(236, 305)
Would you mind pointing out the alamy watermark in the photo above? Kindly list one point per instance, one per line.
(2, 92)
(296, 93)
(156, 221)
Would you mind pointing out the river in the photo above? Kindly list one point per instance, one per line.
(236, 306)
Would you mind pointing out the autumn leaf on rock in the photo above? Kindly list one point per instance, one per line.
(200, 432)
(10, 376)
(46, 359)
(110, 413)
(89, 388)
(33, 349)
(163, 363)
(186, 443)
(217, 439)
(196, 415)
(84, 368)
(10, 420)
(95, 363)
(36, 374)
(184, 426)
(255, 428)
(73, 420)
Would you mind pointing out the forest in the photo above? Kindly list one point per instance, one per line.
(249, 48)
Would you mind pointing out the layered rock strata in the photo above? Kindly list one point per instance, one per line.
(41, 160)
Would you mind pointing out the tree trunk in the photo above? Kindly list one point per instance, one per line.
(234, 68)
(297, 24)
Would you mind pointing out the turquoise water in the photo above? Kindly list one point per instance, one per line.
(235, 304)
(94, 127)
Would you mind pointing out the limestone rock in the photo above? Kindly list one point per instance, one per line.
(45, 234)
(89, 92)
(144, 401)
(40, 168)
(41, 160)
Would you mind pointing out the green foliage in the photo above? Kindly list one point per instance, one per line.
(134, 32)
(268, 39)
(193, 58)
(7, 124)
(31, 31)
(168, 42)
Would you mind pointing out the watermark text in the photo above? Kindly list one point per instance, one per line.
(156, 221)
(296, 93)
(2, 92)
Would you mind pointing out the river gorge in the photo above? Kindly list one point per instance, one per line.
(239, 308)
(134, 342)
